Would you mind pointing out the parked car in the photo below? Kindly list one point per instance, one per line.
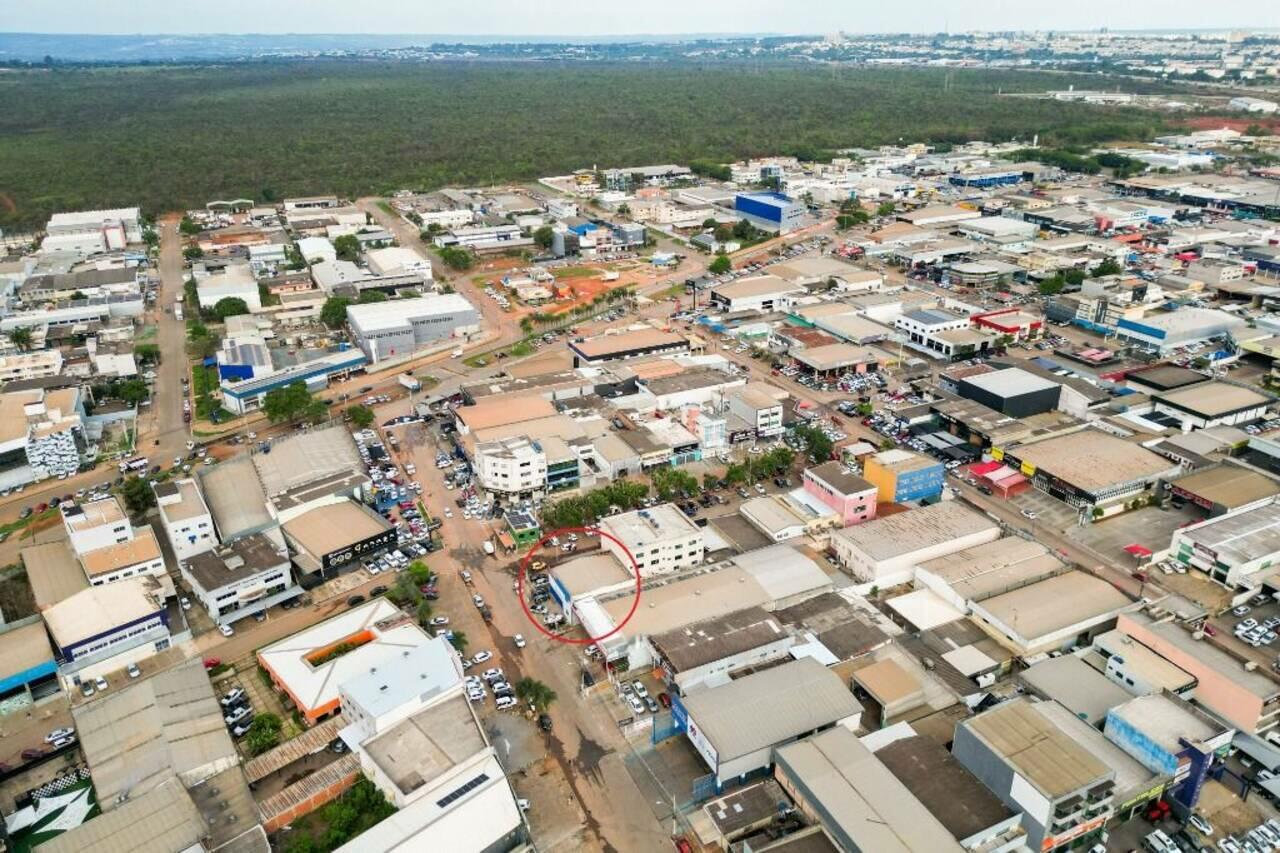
(58, 734)
(232, 697)
(226, 630)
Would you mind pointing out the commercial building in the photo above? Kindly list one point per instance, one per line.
(1169, 736)
(400, 327)
(28, 669)
(234, 282)
(839, 783)
(972, 814)
(773, 209)
(1089, 468)
(1247, 699)
(93, 231)
(886, 551)
(1233, 547)
(1138, 669)
(901, 475)
(188, 524)
(1222, 488)
(708, 653)
(1055, 613)
(849, 496)
(1212, 404)
(782, 517)
(1075, 685)
(1062, 790)
(1162, 332)
(939, 214)
(759, 409)
(658, 540)
(511, 466)
(987, 570)
(1014, 322)
(597, 351)
(247, 395)
(102, 628)
(311, 665)
(241, 578)
(1012, 391)
(763, 293)
(737, 727)
(332, 535)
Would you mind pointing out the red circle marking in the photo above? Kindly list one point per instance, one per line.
(524, 568)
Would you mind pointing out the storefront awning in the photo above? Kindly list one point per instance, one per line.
(1137, 550)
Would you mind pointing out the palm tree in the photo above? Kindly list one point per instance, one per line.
(424, 612)
(537, 694)
(21, 338)
(526, 324)
(459, 641)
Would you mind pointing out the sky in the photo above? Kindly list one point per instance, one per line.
(594, 18)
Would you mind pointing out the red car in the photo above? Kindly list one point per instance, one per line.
(1210, 630)
(664, 700)
(212, 663)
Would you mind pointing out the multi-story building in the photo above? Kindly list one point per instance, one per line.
(772, 209)
(102, 628)
(901, 475)
(851, 497)
(108, 546)
(30, 365)
(91, 231)
(660, 540)
(761, 410)
(511, 466)
(1233, 547)
(241, 578)
(188, 524)
(944, 334)
(1063, 791)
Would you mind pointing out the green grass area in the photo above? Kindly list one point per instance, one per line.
(76, 139)
(522, 349)
(23, 523)
(146, 333)
(28, 839)
(576, 272)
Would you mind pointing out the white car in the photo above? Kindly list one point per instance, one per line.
(481, 657)
(58, 734)
(518, 639)
(1200, 825)
(478, 601)
(639, 689)
(492, 675)
(226, 630)
(636, 705)
(505, 702)
(185, 602)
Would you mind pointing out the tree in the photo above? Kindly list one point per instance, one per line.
(534, 692)
(544, 236)
(458, 259)
(459, 641)
(347, 247)
(230, 306)
(1073, 276)
(188, 227)
(293, 403)
(736, 474)
(368, 296)
(1108, 267)
(816, 441)
(133, 391)
(192, 253)
(361, 416)
(744, 230)
(526, 325)
(420, 573)
(263, 734)
(710, 481)
(1052, 285)
(709, 223)
(720, 265)
(423, 611)
(147, 353)
(21, 338)
(886, 208)
(137, 495)
(334, 312)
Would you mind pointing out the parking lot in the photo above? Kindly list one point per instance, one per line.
(260, 698)
(1252, 630)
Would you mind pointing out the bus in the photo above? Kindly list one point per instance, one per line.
(177, 311)
(136, 465)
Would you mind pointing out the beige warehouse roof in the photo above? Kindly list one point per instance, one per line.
(142, 548)
(504, 410)
(23, 648)
(302, 458)
(333, 527)
(1040, 751)
(1059, 602)
(98, 609)
(1093, 460)
(770, 707)
(907, 532)
(53, 572)
(160, 821)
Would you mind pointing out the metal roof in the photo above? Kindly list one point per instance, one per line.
(770, 707)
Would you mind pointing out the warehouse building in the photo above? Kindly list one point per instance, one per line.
(763, 293)
(1138, 669)
(973, 815)
(330, 536)
(737, 727)
(1089, 468)
(1169, 330)
(241, 578)
(886, 551)
(103, 628)
(839, 783)
(1231, 548)
(1065, 793)
(773, 210)
(1075, 685)
(1056, 613)
(1012, 391)
(1212, 404)
(987, 570)
(28, 670)
(400, 327)
(641, 343)
(708, 653)
(1222, 488)
(849, 496)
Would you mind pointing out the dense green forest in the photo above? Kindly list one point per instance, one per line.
(174, 136)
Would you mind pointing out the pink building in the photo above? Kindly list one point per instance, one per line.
(850, 496)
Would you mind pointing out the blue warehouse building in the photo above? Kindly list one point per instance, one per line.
(775, 209)
(247, 395)
(27, 663)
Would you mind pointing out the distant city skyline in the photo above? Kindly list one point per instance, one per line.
(579, 18)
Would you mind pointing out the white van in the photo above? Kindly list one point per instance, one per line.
(1159, 842)
(488, 548)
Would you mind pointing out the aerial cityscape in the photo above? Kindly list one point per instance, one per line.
(763, 434)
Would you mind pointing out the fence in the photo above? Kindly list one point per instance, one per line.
(664, 727)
